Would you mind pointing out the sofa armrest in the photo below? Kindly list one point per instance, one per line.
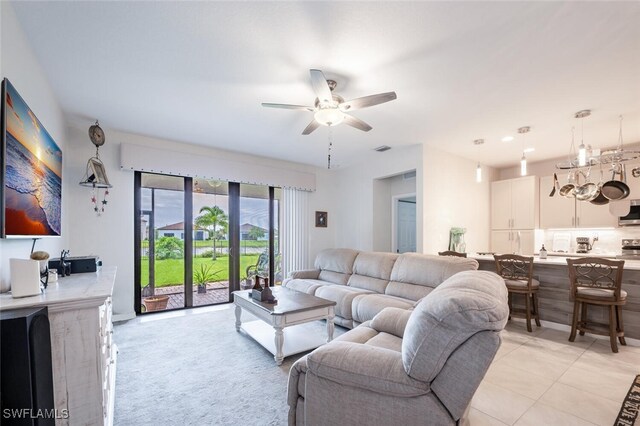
(309, 274)
(367, 367)
(391, 320)
(298, 369)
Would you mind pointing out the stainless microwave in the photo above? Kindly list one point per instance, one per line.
(633, 218)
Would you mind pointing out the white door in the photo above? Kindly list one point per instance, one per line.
(406, 213)
(556, 211)
(501, 204)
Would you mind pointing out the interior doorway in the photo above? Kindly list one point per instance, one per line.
(387, 191)
(404, 223)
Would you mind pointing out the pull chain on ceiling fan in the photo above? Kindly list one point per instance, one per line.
(331, 109)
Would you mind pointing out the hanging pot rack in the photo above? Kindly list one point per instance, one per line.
(597, 157)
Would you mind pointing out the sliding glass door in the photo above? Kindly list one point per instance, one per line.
(210, 241)
(197, 240)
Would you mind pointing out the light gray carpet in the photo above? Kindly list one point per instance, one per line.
(196, 369)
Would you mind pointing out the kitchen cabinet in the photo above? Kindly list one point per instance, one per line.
(556, 211)
(591, 216)
(510, 242)
(562, 212)
(514, 203)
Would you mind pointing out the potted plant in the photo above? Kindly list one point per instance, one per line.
(156, 303)
(203, 275)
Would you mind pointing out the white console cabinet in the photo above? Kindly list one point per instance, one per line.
(82, 348)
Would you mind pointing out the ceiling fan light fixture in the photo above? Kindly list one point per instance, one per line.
(329, 116)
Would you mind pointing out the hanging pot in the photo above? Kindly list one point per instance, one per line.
(616, 189)
(588, 191)
(600, 200)
(569, 189)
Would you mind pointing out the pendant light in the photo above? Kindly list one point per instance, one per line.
(523, 160)
(582, 149)
(478, 142)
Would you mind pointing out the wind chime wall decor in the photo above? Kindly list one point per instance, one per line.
(95, 176)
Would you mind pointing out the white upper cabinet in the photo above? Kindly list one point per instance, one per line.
(562, 212)
(501, 204)
(556, 211)
(591, 216)
(514, 203)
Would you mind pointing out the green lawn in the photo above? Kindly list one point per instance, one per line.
(171, 271)
(222, 243)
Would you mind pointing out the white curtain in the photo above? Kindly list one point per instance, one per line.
(295, 230)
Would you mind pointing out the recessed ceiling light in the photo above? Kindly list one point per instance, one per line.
(529, 149)
(507, 139)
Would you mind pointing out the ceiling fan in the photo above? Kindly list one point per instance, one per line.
(330, 109)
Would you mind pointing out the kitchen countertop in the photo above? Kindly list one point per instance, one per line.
(559, 260)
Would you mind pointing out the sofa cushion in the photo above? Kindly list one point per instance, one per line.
(304, 286)
(365, 307)
(361, 334)
(424, 270)
(342, 295)
(466, 303)
(392, 321)
(366, 367)
(386, 341)
(336, 260)
(368, 283)
(374, 264)
(334, 277)
(407, 291)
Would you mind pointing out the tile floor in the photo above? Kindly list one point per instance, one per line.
(541, 378)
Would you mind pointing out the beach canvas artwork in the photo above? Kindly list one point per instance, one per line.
(33, 174)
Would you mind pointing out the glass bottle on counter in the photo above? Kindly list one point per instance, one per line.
(543, 253)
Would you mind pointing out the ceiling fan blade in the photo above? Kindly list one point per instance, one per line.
(367, 101)
(287, 106)
(320, 86)
(356, 122)
(311, 127)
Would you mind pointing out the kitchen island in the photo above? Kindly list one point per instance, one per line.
(553, 296)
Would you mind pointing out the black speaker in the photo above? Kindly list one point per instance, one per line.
(26, 392)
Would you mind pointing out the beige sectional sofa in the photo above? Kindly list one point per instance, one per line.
(364, 283)
(405, 367)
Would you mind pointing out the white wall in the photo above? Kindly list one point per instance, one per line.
(354, 197)
(19, 64)
(111, 235)
(452, 197)
(323, 199)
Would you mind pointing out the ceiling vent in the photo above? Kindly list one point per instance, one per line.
(382, 148)
(409, 175)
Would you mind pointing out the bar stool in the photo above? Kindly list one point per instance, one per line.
(517, 272)
(597, 281)
(451, 253)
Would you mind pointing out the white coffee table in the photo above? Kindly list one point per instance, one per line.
(284, 328)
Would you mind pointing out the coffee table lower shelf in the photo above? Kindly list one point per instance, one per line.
(297, 338)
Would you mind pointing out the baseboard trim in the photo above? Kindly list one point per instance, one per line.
(563, 327)
(123, 317)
